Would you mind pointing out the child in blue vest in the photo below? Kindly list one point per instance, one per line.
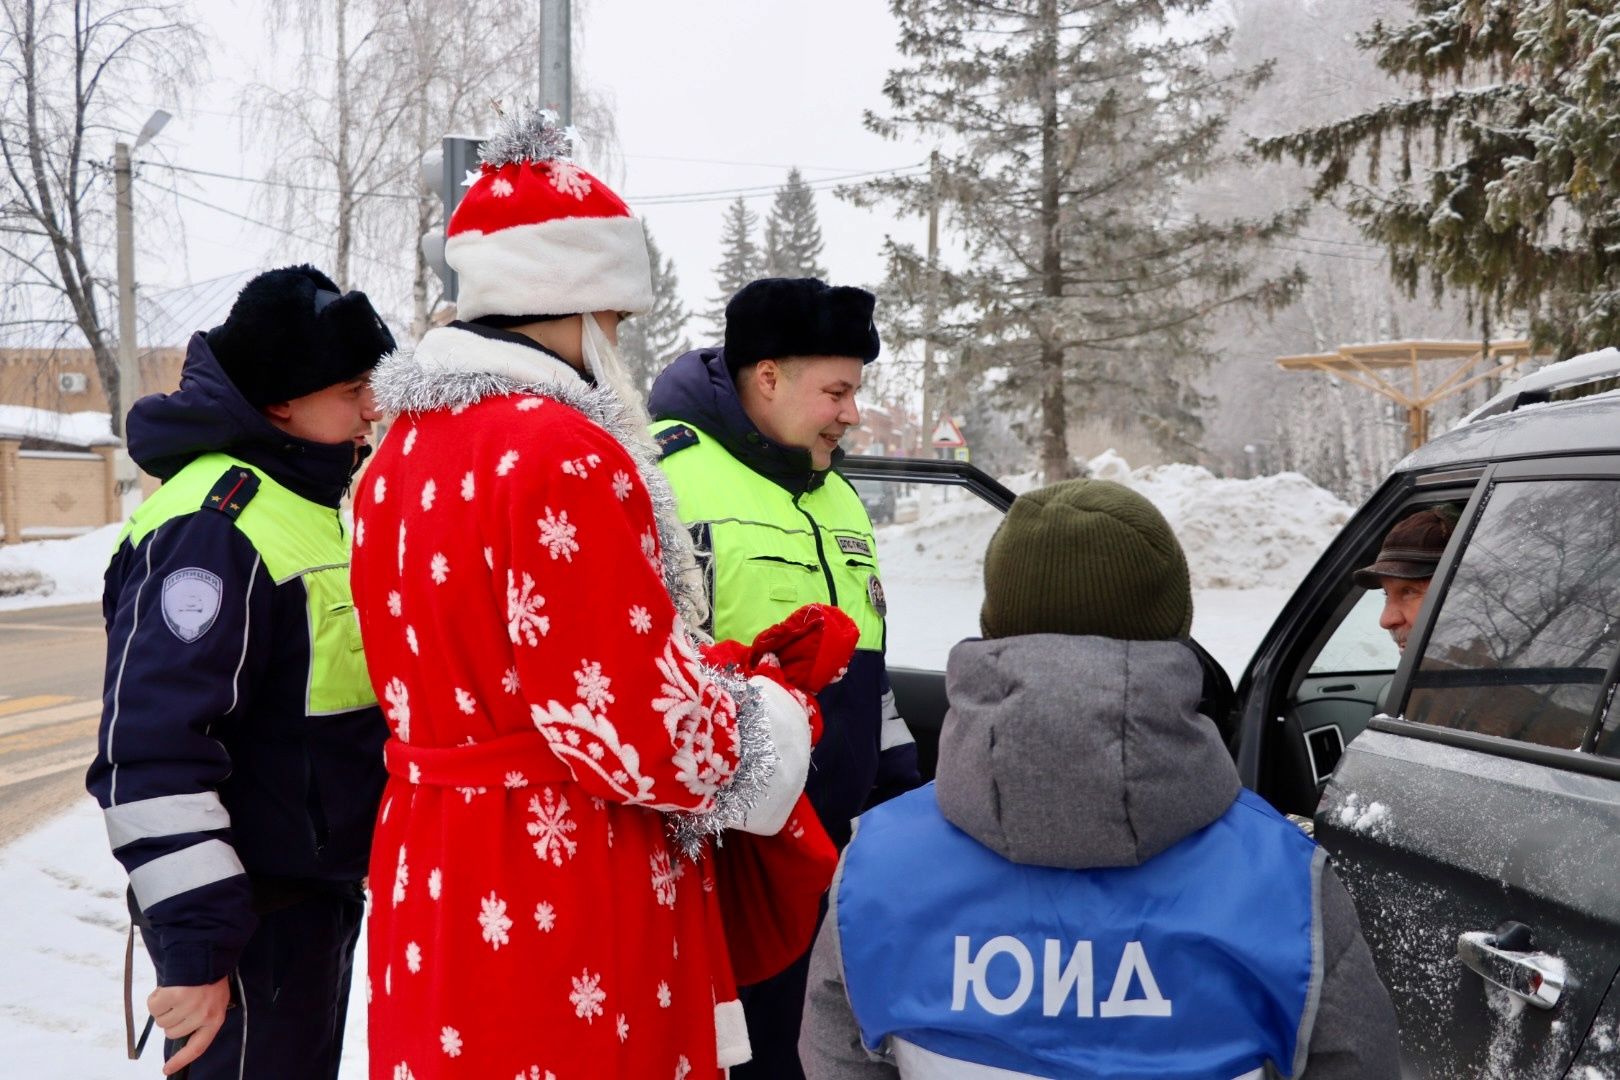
(1087, 890)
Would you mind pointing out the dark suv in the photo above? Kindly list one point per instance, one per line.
(1467, 789)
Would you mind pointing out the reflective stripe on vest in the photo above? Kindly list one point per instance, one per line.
(298, 540)
(767, 560)
(1204, 963)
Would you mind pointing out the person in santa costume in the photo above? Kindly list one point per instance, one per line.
(543, 901)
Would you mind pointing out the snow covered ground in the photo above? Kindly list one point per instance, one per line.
(62, 919)
(69, 571)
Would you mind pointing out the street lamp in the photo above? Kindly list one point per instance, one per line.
(129, 375)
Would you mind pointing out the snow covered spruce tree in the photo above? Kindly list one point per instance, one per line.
(648, 342)
(1505, 185)
(1068, 129)
(741, 260)
(792, 232)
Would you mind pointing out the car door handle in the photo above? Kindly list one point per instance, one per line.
(1534, 977)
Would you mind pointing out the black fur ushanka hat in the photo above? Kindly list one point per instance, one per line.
(291, 332)
(778, 318)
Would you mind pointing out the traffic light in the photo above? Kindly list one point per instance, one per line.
(446, 170)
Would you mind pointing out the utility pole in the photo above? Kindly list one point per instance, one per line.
(129, 372)
(556, 66)
(129, 376)
(931, 395)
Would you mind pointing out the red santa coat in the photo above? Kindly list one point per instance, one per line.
(531, 915)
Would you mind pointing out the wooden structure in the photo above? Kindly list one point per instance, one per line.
(1396, 370)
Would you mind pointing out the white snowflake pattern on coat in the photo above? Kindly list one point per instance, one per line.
(664, 997)
(410, 639)
(649, 548)
(530, 403)
(594, 686)
(399, 708)
(691, 705)
(500, 187)
(622, 485)
(402, 1071)
(466, 702)
(360, 533)
(396, 606)
(430, 492)
(545, 917)
(581, 466)
(450, 1040)
(435, 883)
(523, 619)
(469, 487)
(507, 463)
(410, 442)
(565, 728)
(402, 877)
(413, 957)
(379, 490)
(664, 877)
(623, 1027)
(439, 568)
(587, 995)
(640, 619)
(558, 535)
(550, 828)
(515, 780)
(493, 919)
(534, 1073)
(510, 681)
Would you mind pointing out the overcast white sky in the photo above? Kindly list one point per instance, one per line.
(708, 94)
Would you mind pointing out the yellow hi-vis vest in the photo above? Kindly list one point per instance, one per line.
(297, 539)
(771, 552)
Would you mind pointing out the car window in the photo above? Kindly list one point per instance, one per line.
(1529, 627)
(1359, 643)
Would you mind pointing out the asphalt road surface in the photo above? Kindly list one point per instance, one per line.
(51, 662)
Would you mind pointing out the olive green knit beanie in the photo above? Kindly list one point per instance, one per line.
(1086, 557)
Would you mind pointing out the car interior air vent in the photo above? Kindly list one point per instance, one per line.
(1326, 746)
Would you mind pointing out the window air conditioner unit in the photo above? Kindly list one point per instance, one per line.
(73, 382)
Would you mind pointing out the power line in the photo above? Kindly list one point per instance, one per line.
(761, 190)
(263, 224)
(288, 184)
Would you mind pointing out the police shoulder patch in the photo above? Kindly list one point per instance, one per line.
(232, 491)
(675, 439)
(190, 602)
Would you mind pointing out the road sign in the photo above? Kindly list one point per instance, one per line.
(947, 436)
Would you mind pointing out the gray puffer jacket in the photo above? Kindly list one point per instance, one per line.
(1084, 752)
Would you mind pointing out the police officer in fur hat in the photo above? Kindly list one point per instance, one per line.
(750, 436)
(239, 762)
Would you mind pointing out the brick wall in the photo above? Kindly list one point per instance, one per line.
(32, 377)
(49, 493)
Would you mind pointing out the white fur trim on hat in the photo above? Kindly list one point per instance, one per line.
(561, 267)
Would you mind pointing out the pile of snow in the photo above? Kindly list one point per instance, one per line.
(1248, 542)
(72, 429)
(1238, 534)
(56, 571)
(1243, 534)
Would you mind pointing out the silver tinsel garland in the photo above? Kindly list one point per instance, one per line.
(529, 134)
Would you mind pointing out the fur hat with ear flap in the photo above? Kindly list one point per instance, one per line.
(538, 235)
(292, 332)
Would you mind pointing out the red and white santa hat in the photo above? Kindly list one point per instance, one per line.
(538, 235)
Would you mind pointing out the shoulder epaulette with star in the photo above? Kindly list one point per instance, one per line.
(232, 492)
(675, 439)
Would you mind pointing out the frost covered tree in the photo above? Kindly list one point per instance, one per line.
(1496, 177)
(793, 243)
(379, 83)
(648, 342)
(741, 260)
(69, 68)
(1068, 130)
